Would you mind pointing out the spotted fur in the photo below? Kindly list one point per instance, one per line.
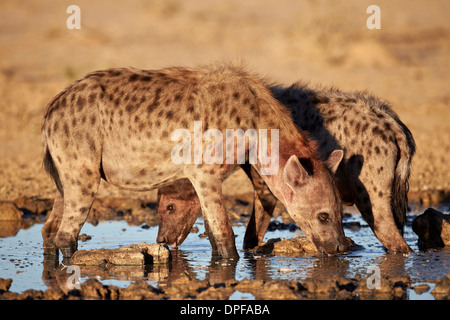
(116, 124)
(374, 174)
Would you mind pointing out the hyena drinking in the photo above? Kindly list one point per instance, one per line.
(374, 173)
(116, 125)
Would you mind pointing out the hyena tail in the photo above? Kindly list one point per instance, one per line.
(50, 167)
(48, 162)
(406, 147)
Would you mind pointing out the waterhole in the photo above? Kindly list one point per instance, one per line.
(21, 258)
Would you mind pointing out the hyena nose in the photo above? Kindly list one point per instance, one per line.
(160, 239)
(342, 248)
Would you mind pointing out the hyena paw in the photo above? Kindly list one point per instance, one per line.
(66, 243)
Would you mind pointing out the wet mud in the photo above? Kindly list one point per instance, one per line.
(285, 267)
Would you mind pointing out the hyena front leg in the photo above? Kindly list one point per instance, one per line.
(51, 226)
(207, 182)
(210, 237)
(79, 194)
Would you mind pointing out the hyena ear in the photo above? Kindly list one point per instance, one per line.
(294, 174)
(334, 160)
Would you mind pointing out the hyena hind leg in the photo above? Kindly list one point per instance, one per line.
(377, 212)
(78, 199)
(263, 206)
(51, 226)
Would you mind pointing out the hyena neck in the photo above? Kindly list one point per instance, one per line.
(300, 146)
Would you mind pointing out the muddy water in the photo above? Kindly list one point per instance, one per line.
(21, 258)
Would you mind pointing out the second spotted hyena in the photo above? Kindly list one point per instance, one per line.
(116, 125)
(373, 174)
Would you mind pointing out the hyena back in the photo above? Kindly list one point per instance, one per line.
(116, 125)
(374, 174)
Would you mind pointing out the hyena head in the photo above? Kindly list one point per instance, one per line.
(178, 208)
(313, 201)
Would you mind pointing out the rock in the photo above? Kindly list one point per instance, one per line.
(84, 237)
(139, 290)
(384, 288)
(295, 246)
(277, 290)
(314, 285)
(133, 254)
(428, 198)
(346, 284)
(281, 246)
(399, 293)
(194, 229)
(247, 285)
(33, 205)
(421, 288)
(217, 291)
(54, 293)
(133, 205)
(9, 228)
(93, 289)
(442, 288)
(433, 229)
(9, 211)
(353, 225)
(344, 295)
(5, 284)
(134, 211)
(399, 289)
(185, 288)
(31, 294)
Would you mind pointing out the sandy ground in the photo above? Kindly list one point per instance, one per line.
(405, 62)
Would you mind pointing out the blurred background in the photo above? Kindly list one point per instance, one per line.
(321, 42)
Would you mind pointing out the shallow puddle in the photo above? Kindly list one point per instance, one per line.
(21, 259)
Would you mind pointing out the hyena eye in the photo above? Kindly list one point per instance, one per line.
(170, 208)
(323, 217)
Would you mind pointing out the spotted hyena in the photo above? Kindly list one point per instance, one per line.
(374, 173)
(116, 125)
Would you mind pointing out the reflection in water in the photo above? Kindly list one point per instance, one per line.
(21, 259)
(182, 268)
